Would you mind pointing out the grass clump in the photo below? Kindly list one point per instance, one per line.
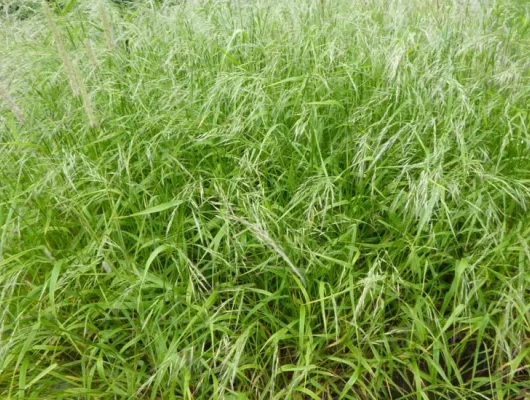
(296, 199)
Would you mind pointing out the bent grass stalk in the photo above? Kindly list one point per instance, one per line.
(13, 106)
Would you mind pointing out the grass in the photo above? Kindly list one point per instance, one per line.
(277, 200)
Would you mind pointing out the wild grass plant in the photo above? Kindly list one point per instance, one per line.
(266, 200)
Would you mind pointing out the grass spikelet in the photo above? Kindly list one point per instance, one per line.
(91, 53)
(87, 105)
(107, 28)
(61, 49)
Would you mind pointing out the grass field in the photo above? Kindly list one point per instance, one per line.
(289, 199)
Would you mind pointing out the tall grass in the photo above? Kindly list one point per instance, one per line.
(278, 200)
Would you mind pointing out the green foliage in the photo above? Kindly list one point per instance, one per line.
(284, 200)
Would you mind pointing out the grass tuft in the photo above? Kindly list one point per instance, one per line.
(278, 200)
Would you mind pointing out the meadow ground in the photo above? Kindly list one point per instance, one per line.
(287, 199)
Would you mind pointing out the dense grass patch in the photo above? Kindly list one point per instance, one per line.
(248, 199)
